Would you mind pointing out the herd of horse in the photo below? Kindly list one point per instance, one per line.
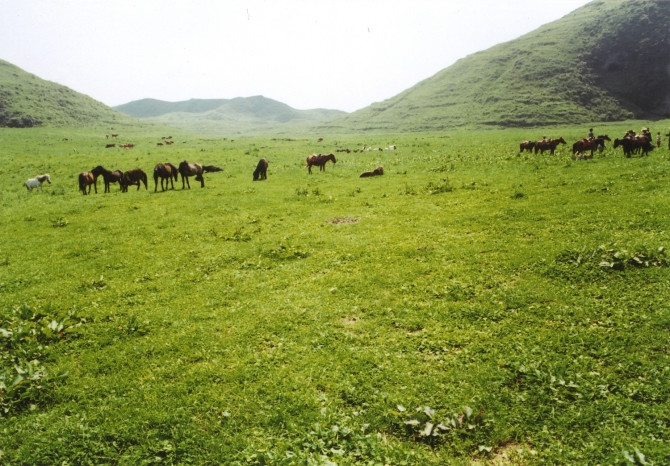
(166, 172)
(631, 143)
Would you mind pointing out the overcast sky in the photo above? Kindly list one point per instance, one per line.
(337, 54)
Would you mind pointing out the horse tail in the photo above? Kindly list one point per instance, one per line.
(144, 178)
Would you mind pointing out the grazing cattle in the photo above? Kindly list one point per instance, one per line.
(527, 146)
(376, 172)
(261, 171)
(320, 161)
(187, 169)
(86, 179)
(37, 181)
(133, 177)
(108, 176)
(107, 146)
(128, 145)
(548, 144)
(167, 173)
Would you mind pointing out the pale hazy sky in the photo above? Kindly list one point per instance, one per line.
(337, 54)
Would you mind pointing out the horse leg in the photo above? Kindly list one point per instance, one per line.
(156, 183)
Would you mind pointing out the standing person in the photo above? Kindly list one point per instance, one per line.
(658, 139)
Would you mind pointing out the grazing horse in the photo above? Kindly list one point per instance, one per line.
(107, 175)
(376, 172)
(87, 179)
(187, 169)
(37, 181)
(320, 161)
(548, 144)
(261, 172)
(526, 145)
(166, 172)
(133, 177)
(584, 145)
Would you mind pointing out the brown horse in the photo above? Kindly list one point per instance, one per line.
(320, 161)
(585, 145)
(167, 173)
(548, 144)
(526, 145)
(261, 172)
(376, 172)
(87, 179)
(133, 177)
(187, 169)
(107, 175)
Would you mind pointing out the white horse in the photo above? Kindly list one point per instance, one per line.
(37, 181)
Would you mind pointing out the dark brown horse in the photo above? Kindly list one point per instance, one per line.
(376, 172)
(320, 161)
(634, 144)
(133, 177)
(167, 173)
(107, 175)
(187, 169)
(261, 172)
(548, 144)
(86, 179)
(582, 146)
(527, 145)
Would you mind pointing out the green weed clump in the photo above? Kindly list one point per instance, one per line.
(26, 337)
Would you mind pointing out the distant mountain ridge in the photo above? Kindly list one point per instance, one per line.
(149, 108)
(225, 116)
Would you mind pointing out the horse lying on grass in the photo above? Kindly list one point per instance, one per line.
(376, 172)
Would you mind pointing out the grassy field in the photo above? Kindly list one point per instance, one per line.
(472, 305)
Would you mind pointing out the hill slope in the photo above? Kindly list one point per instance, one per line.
(27, 101)
(606, 61)
(226, 116)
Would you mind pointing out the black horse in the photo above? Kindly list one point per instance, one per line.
(261, 172)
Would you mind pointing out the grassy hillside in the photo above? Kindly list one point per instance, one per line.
(606, 61)
(28, 101)
(227, 117)
(473, 305)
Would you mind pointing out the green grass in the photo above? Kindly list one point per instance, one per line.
(471, 305)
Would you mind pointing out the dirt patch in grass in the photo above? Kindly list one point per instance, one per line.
(343, 220)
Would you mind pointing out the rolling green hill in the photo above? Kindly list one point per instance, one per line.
(606, 61)
(28, 101)
(227, 116)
